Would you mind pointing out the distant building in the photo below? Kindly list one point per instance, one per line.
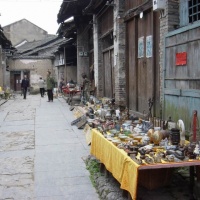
(24, 31)
(34, 59)
(36, 52)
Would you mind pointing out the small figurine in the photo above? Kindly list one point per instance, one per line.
(196, 150)
(149, 160)
(189, 151)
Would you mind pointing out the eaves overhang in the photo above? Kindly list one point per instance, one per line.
(71, 8)
(4, 42)
(92, 6)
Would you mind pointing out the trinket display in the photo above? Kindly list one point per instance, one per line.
(146, 142)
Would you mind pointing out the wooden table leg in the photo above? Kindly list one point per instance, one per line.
(198, 173)
(191, 181)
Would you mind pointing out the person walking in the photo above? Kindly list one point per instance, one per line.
(50, 86)
(41, 86)
(25, 85)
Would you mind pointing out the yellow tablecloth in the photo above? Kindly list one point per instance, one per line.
(122, 167)
(116, 161)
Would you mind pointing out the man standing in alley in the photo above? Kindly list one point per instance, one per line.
(50, 86)
(25, 85)
(41, 86)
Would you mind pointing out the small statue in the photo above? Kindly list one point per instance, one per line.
(149, 160)
(86, 87)
(170, 158)
(157, 158)
(197, 150)
(189, 151)
(137, 160)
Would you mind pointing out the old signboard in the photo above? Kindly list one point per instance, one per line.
(181, 58)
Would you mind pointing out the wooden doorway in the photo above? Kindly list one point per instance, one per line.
(17, 82)
(143, 62)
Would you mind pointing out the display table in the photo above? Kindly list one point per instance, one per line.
(122, 167)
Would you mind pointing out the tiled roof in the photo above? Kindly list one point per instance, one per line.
(31, 45)
(33, 57)
(40, 49)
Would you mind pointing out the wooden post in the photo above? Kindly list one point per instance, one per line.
(65, 69)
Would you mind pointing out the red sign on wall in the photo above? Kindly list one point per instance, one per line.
(181, 58)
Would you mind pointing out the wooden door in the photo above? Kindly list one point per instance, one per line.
(17, 82)
(143, 62)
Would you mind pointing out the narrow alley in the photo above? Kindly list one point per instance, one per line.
(41, 154)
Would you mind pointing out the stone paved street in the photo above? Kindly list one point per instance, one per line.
(41, 154)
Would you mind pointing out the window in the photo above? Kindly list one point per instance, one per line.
(194, 10)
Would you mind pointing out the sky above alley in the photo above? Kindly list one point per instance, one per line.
(42, 13)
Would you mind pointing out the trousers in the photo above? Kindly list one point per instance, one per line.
(50, 95)
(24, 92)
(42, 92)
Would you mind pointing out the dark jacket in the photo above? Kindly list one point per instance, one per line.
(25, 83)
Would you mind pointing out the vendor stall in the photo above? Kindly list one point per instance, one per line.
(139, 151)
(127, 169)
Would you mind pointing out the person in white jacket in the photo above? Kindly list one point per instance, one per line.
(41, 86)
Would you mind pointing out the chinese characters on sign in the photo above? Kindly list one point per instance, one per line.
(181, 58)
(149, 46)
(141, 47)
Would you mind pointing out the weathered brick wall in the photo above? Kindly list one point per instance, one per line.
(71, 73)
(82, 46)
(169, 21)
(38, 68)
(119, 54)
(98, 59)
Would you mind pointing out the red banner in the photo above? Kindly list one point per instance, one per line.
(181, 58)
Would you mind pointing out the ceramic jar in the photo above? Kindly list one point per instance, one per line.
(156, 137)
(175, 136)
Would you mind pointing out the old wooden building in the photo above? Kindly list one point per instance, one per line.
(100, 44)
(73, 24)
(144, 53)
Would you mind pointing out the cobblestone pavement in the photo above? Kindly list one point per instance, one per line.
(17, 149)
(41, 154)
